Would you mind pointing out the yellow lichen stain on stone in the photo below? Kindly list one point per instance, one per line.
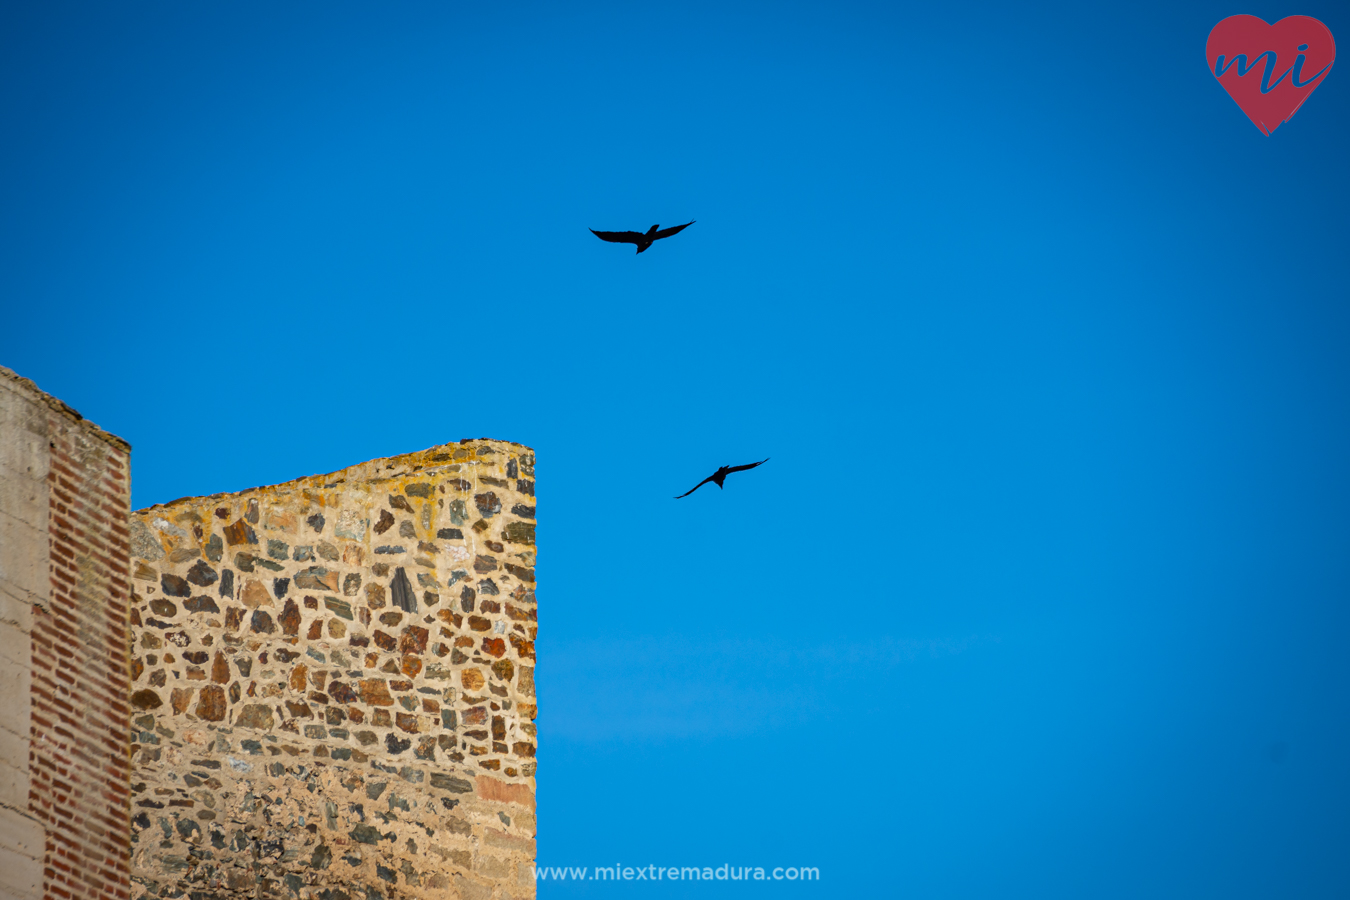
(343, 650)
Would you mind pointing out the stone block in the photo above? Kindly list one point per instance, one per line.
(24, 555)
(21, 848)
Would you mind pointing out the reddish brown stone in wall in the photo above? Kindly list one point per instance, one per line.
(342, 693)
(179, 699)
(375, 691)
(490, 788)
(211, 706)
(413, 640)
(299, 710)
(146, 699)
(290, 618)
(240, 533)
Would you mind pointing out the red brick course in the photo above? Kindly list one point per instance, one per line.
(79, 761)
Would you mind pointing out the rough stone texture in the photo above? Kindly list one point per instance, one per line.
(64, 587)
(318, 716)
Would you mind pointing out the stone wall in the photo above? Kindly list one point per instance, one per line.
(333, 684)
(64, 589)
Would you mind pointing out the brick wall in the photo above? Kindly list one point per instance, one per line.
(333, 684)
(64, 586)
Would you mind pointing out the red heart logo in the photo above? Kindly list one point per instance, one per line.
(1270, 69)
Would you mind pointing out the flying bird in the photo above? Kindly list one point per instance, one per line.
(721, 475)
(643, 241)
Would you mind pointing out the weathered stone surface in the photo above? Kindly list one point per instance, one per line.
(254, 594)
(211, 704)
(144, 542)
(524, 573)
(290, 618)
(375, 691)
(340, 607)
(146, 699)
(215, 548)
(490, 788)
(174, 586)
(519, 532)
(179, 700)
(317, 695)
(201, 574)
(413, 640)
(317, 578)
(220, 669)
(254, 715)
(162, 607)
(240, 533)
(401, 590)
(351, 525)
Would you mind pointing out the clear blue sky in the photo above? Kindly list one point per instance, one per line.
(1044, 591)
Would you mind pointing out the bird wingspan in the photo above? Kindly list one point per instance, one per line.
(748, 466)
(696, 487)
(620, 237)
(667, 232)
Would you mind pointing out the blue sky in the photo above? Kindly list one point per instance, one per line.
(1043, 591)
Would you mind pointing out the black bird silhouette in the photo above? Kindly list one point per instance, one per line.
(721, 475)
(643, 241)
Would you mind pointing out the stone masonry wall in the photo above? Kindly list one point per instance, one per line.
(64, 590)
(333, 684)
